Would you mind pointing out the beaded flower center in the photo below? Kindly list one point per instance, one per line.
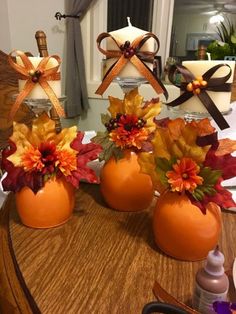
(127, 130)
(184, 176)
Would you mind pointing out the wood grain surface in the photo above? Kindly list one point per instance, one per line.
(14, 294)
(103, 261)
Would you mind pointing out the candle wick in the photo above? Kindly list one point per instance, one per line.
(208, 56)
(128, 19)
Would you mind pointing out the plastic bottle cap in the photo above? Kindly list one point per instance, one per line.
(215, 261)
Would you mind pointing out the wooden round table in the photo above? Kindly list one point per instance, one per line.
(100, 261)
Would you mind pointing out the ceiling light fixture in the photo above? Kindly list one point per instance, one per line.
(216, 19)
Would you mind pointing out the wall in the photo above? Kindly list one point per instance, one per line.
(27, 16)
(4, 27)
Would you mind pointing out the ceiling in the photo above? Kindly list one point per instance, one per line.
(206, 6)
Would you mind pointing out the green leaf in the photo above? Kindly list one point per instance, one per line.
(108, 147)
(233, 38)
(225, 30)
(210, 178)
(100, 138)
(198, 194)
(48, 176)
(105, 154)
(105, 118)
(165, 164)
(162, 166)
(118, 153)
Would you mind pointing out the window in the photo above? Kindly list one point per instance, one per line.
(118, 10)
(95, 22)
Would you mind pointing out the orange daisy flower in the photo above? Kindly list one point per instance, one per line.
(129, 132)
(31, 160)
(40, 159)
(184, 176)
(66, 162)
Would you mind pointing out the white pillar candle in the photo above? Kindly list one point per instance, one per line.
(220, 99)
(122, 35)
(38, 92)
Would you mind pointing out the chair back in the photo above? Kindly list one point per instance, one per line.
(9, 87)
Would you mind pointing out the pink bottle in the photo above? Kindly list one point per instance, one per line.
(211, 284)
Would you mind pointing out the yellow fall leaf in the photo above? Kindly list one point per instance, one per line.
(116, 106)
(226, 146)
(43, 130)
(147, 165)
(133, 104)
(177, 139)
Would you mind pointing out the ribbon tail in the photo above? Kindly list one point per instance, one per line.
(53, 98)
(178, 101)
(147, 73)
(29, 85)
(113, 72)
(213, 110)
(27, 65)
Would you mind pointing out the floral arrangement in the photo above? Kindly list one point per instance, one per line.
(188, 158)
(36, 154)
(129, 125)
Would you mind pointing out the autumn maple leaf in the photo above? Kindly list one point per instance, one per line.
(86, 152)
(222, 197)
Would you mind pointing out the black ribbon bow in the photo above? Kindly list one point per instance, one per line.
(213, 84)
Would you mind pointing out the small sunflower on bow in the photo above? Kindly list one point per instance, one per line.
(129, 125)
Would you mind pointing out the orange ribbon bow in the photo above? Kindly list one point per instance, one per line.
(39, 75)
(130, 52)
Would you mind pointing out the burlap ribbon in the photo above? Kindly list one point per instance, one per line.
(212, 84)
(39, 75)
(130, 52)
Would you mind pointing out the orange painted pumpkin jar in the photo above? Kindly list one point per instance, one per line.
(182, 230)
(122, 185)
(51, 206)
(44, 167)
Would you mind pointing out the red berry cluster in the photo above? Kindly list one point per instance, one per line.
(196, 85)
(126, 121)
(35, 75)
(127, 49)
(113, 123)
